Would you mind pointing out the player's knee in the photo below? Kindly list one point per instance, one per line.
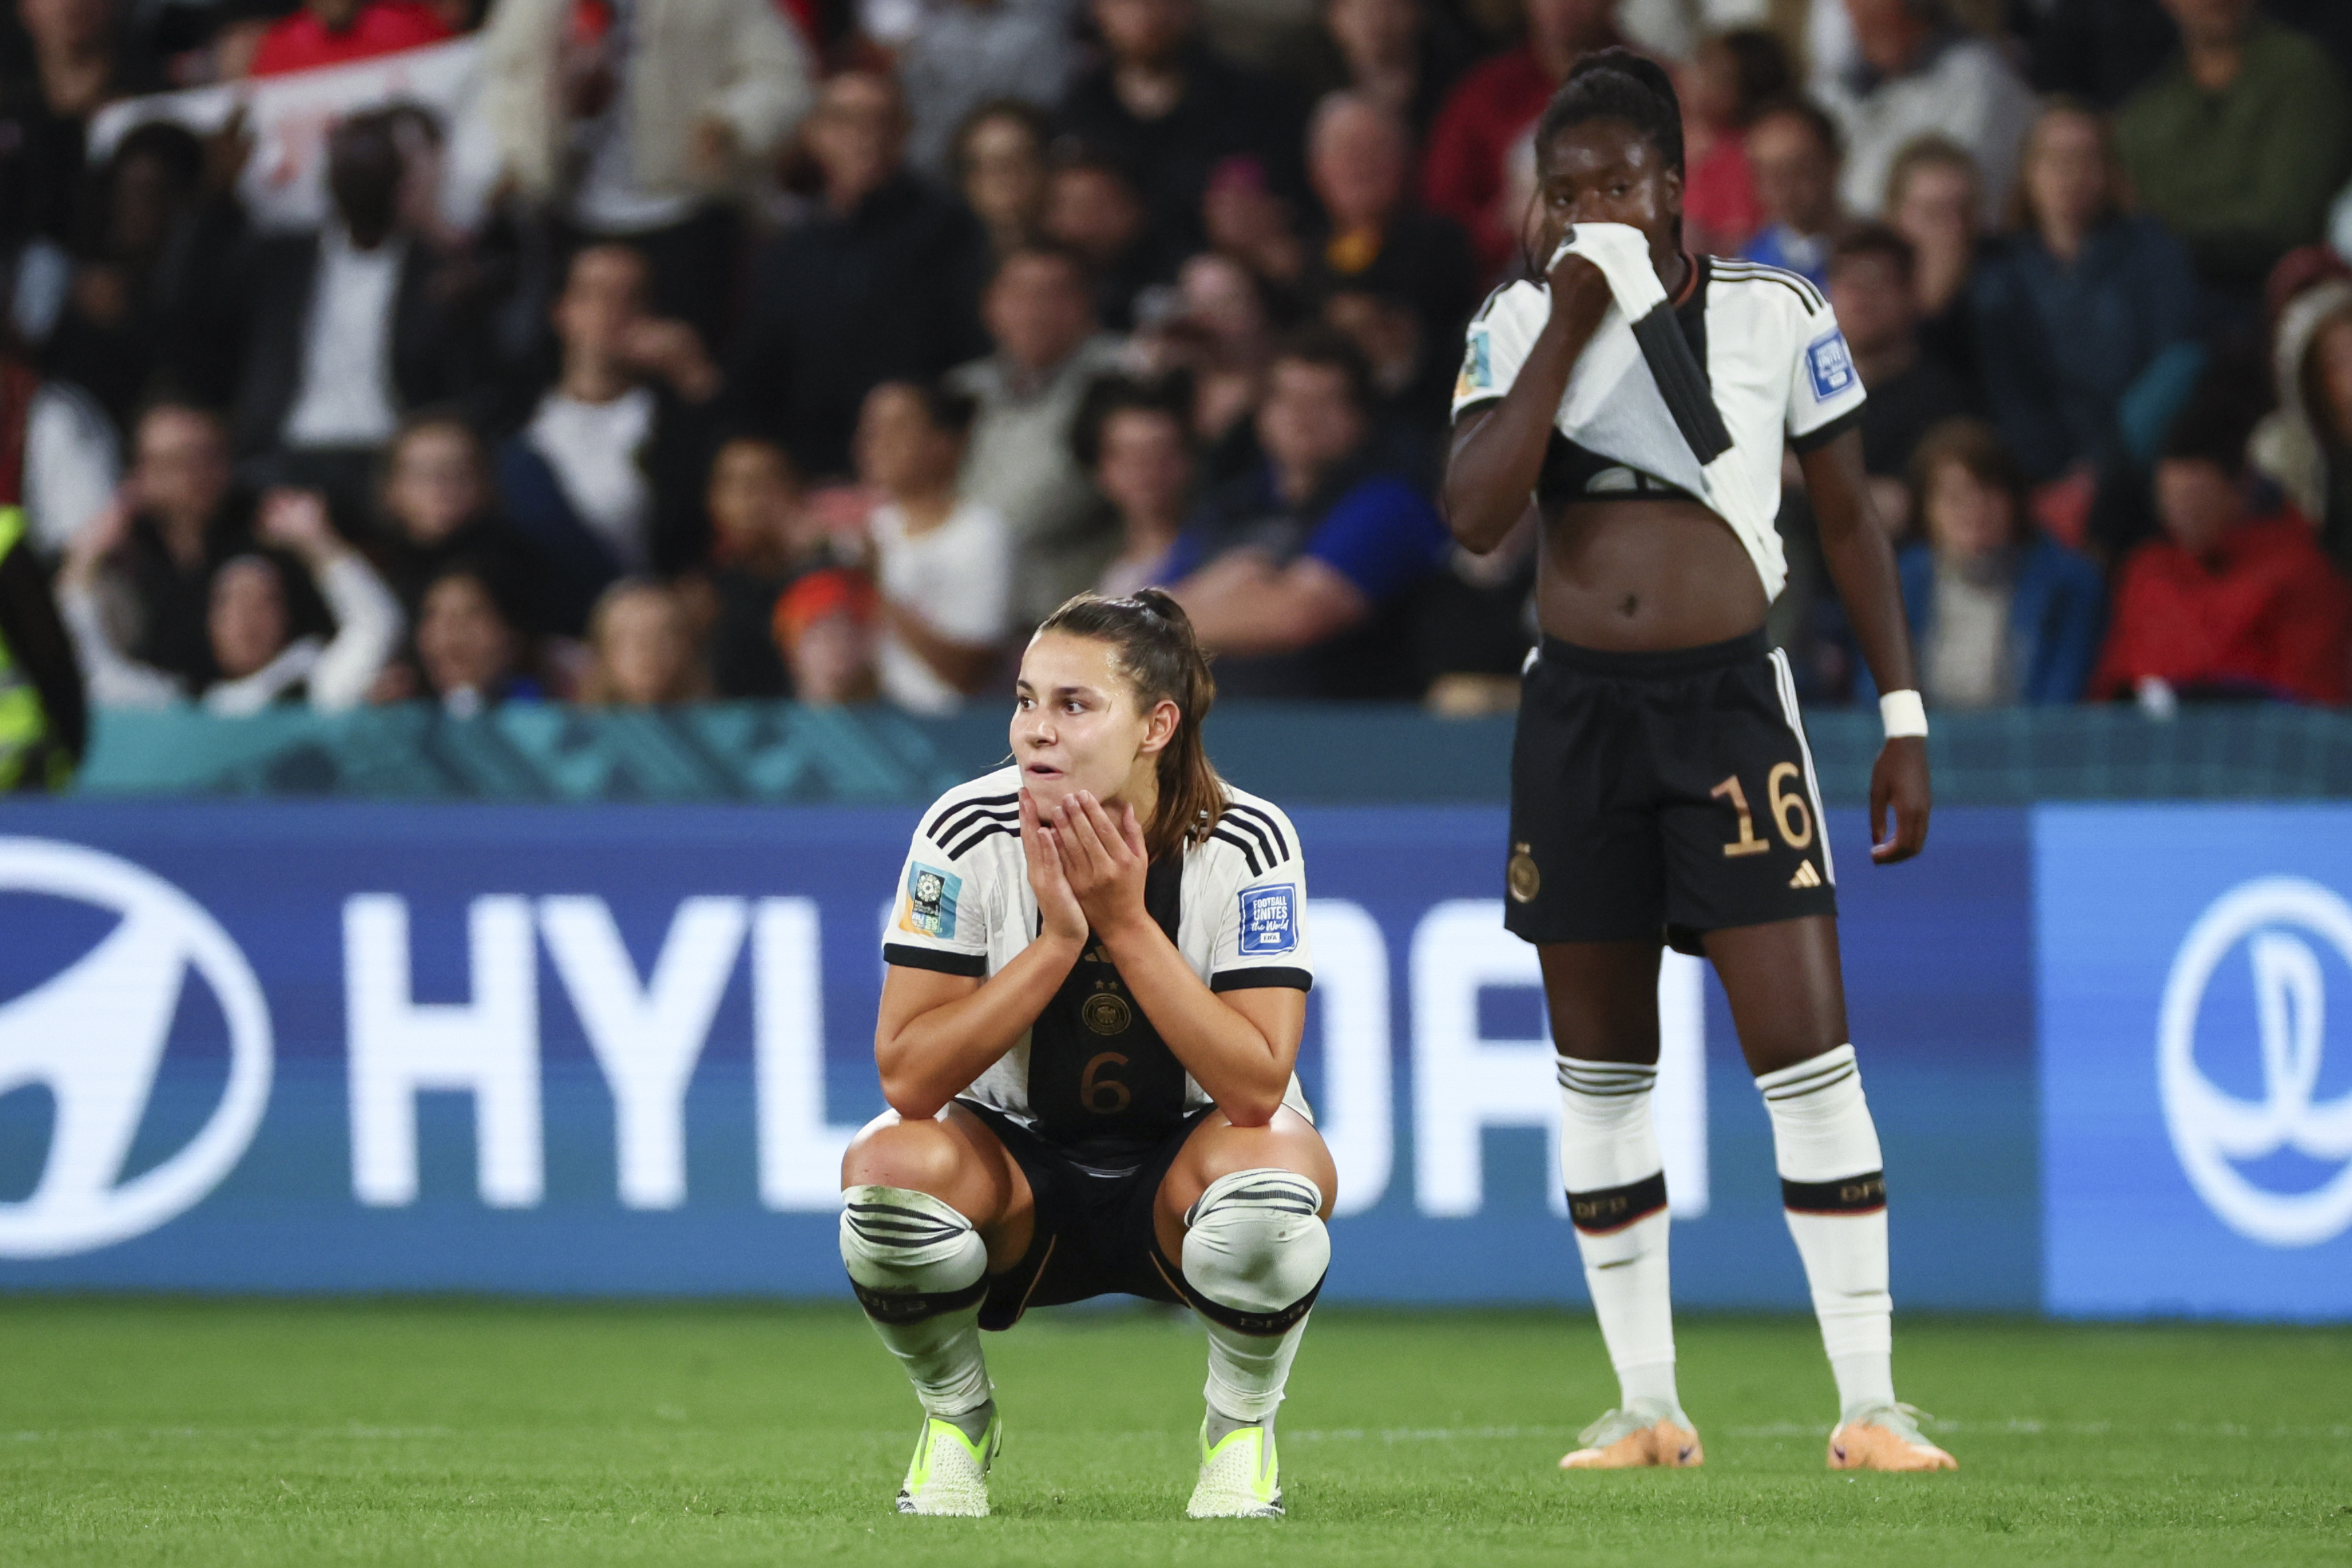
(923, 1156)
(910, 1255)
(1256, 1247)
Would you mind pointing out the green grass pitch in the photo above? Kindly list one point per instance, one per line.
(431, 1432)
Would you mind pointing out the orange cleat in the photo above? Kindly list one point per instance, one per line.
(1645, 1436)
(1885, 1437)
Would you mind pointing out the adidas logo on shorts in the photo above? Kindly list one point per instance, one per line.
(1806, 876)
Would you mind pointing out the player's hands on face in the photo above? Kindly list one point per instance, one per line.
(1899, 781)
(1102, 858)
(1579, 290)
(1057, 906)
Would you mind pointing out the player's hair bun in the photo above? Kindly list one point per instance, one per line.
(1617, 84)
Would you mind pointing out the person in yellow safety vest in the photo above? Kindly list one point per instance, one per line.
(44, 722)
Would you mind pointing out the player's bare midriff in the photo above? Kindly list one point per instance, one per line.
(1642, 575)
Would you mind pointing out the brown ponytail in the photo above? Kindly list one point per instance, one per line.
(1162, 661)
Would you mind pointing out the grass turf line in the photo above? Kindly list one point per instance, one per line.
(436, 1432)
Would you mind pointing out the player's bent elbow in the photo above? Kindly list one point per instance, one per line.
(1251, 1108)
(913, 1100)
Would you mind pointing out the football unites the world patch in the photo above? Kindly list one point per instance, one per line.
(930, 906)
(1269, 920)
(1830, 365)
(1478, 372)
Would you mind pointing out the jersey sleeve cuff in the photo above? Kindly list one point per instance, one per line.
(939, 959)
(1821, 435)
(1258, 980)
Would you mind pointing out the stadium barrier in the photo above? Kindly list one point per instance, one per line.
(339, 1046)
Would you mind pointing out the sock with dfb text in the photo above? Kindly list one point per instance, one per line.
(1834, 1186)
(920, 1273)
(1616, 1183)
(1255, 1250)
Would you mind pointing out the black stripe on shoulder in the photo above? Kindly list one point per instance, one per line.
(956, 851)
(1815, 439)
(1273, 825)
(1249, 851)
(1756, 272)
(1493, 295)
(1272, 977)
(1234, 821)
(958, 807)
(965, 821)
(909, 957)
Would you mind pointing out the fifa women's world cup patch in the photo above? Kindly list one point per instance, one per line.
(1269, 920)
(930, 906)
(1477, 367)
(1830, 365)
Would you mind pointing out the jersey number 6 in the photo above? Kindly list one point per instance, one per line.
(1104, 1096)
(1790, 814)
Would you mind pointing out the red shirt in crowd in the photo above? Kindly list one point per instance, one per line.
(1719, 207)
(300, 42)
(1462, 176)
(2265, 612)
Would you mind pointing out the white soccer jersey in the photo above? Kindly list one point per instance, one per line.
(1092, 1067)
(1776, 367)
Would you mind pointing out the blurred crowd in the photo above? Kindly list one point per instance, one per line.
(815, 348)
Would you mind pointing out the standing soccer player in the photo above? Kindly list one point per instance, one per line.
(1097, 979)
(1661, 788)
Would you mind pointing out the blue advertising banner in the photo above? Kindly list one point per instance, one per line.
(329, 1046)
(2196, 1092)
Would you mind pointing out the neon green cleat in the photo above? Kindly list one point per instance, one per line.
(1240, 1478)
(949, 1474)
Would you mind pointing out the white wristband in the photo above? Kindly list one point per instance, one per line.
(1903, 713)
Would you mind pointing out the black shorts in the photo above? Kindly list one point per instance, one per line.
(1661, 794)
(1094, 1235)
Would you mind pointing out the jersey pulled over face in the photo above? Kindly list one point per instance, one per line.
(1092, 1074)
(1775, 365)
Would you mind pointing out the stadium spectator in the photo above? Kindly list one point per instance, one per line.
(1490, 112)
(436, 509)
(149, 555)
(60, 459)
(647, 130)
(338, 32)
(257, 655)
(2000, 613)
(999, 168)
(343, 331)
(1216, 339)
(943, 563)
(470, 650)
(1727, 79)
(2100, 51)
(1297, 575)
(1926, 75)
(1169, 109)
(880, 281)
(641, 649)
(1371, 236)
(1092, 208)
(967, 53)
(761, 538)
(2231, 601)
(71, 61)
(602, 482)
(1135, 439)
(2239, 142)
(1933, 200)
(1412, 387)
(1872, 288)
(2085, 314)
(1017, 464)
(2304, 445)
(1792, 151)
(825, 624)
(1402, 54)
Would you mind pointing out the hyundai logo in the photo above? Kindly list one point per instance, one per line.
(2213, 1132)
(95, 1034)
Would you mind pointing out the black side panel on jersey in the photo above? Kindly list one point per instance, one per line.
(1102, 1083)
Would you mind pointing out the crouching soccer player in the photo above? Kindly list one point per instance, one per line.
(1097, 978)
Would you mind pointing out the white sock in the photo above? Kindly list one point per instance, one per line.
(1834, 1186)
(1617, 1199)
(921, 1271)
(1255, 1256)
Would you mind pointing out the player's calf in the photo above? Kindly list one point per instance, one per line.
(1255, 1251)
